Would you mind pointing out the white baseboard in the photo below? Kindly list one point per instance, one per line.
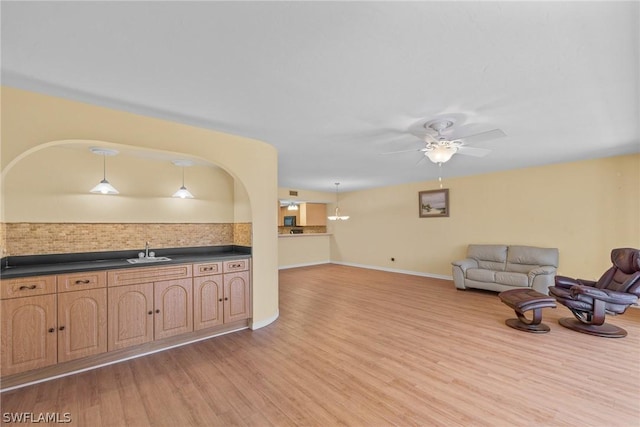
(306, 264)
(395, 270)
(265, 322)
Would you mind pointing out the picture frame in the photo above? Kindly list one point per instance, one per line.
(433, 203)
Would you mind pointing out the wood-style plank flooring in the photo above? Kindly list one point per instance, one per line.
(366, 348)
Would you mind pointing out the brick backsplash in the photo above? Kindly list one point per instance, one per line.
(54, 238)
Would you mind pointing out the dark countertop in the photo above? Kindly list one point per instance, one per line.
(38, 265)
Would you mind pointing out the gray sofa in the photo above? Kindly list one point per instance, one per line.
(501, 267)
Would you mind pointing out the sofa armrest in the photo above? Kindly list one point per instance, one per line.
(544, 269)
(540, 278)
(459, 270)
(466, 263)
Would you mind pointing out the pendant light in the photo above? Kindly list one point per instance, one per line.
(182, 192)
(292, 207)
(337, 216)
(103, 186)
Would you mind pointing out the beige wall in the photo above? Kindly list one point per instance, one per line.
(33, 122)
(583, 208)
(301, 250)
(52, 185)
(307, 195)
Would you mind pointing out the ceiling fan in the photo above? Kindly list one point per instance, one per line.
(440, 148)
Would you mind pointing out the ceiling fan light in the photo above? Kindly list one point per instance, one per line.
(441, 153)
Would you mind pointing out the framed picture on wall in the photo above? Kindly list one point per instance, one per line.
(433, 203)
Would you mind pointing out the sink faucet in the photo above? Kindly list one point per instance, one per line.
(146, 250)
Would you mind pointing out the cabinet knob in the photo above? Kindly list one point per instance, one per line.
(51, 330)
(61, 328)
(220, 299)
(226, 299)
(158, 311)
(150, 312)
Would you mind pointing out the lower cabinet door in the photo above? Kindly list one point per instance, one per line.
(207, 301)
(130, 315)
(28, 332)
(173, 302)
(237, 297)
(82, 324)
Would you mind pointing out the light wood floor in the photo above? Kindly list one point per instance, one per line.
(366, 348)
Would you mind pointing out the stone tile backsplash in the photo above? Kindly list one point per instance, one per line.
(53, 238)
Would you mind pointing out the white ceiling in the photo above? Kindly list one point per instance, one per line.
(333, 85)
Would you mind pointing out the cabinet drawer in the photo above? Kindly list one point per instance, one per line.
(207, 269)
(235, 265)
(27, 286)
(82, 281)
(132, 276)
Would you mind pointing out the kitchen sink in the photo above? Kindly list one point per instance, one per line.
(148, 259)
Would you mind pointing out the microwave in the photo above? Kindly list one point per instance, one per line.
(289, 221)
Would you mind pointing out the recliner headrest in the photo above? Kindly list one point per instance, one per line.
(626, 259)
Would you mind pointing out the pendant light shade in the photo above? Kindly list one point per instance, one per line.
(292, 207)
(337, 216)
(182, 192)
(104, 187)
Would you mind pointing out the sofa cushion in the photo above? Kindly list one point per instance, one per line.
(481, 275)
(510, 278)
(490, 257)
(522, 259)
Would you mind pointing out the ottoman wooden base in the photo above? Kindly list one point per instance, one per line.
(523, 300)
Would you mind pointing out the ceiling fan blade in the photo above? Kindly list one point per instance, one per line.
(473, 151)
(421, 160)
(430, 138)
(402, 151)
(483, 136)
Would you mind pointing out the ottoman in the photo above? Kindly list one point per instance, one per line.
(523, 300)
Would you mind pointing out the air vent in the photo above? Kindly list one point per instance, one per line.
(293, 193)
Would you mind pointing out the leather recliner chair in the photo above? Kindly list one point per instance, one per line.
(613, 293)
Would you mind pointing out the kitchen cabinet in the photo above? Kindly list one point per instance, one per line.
(308, 214)
(130, 316)
(173, 305)
(47, 320)
(82, 314)
(141, 312)
(237, 290)
(222, 298)
(82, 324)
(313, 214)
(207, 301)
(28, 333)
(49, 328)
(237, 298)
